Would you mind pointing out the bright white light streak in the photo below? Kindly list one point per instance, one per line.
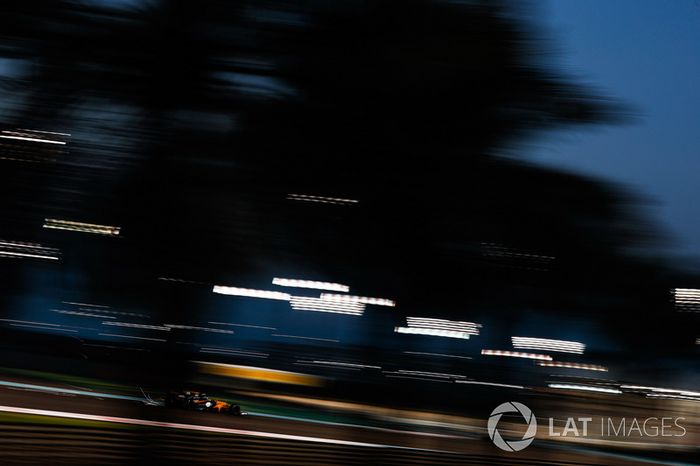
(233, 352)
(195, 427)
(672, 397)
(129, 336)
(250, 293)
(490, 384)
(343, 298)
(321, 199)
(429, 374)
(204, 329)
(679, 391)
(82, 314)
(23, 138)
(340, 363)
(440, 355)
(471, 328)
(29, 322)
(432, 332)
(243, 325)
(516, 354)
(85, 304)
(574, 365)
(303, 303)
(132, 325)
(315, 285)
(304, 338)
(545, 344)
(57, 329)
(585, 388)
(68, 225)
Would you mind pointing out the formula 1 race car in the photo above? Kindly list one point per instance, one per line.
(198, 401)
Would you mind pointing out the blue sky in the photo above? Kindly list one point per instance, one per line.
(647, 54)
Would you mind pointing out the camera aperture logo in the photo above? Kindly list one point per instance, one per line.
(512, 445)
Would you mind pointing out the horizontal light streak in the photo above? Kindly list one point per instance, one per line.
(471, 328)
(574, 365)
(490, 384)
(57, 329)
(31, 322)
(546, 344)
(321, 199)
(195, 427)
(339, 363)
(28, 250)
(585, 388)
(358, 299)
(69, 225)
(303, 303)
(204, 329)
(133, 325)
(432, 332)
(516, 354)
(250, 292)
(8, 135)
(281, 335)
(82, 314)
(440, 355)
(233, 352)
(243, 325)
(312, 284)
(119, 335)
(678, 391)
(441, 375)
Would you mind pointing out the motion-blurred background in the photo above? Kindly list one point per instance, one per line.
(349, 218)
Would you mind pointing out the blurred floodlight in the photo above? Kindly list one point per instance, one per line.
(573, 365)
(546, 344)
(490, 384)
(516, 354)
(251, 293)
(69, 225)
(292, 283)
(343, 298)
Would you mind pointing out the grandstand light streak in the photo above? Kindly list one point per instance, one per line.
(82, 314)
(303, 303)
(132, 325)
(546, 344)
(58, 329)
(574, 365)
(471, 328)
(678, 391)
(250, 293)
(490, 384)
(69, 225)
(516, 354)
(432, 332)
(427, 374)
(8, 135)
(585, 388)
(339, 363)
(315, 285)
(243, 325)
(119, 335)
(321, 199)
(204, 329)
(305, 338)
(357, 299)
(440, 355)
